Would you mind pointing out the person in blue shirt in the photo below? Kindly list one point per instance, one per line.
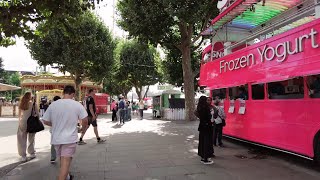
(122, 109)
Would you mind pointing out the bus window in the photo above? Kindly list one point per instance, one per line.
(258, 91)
(221, 93)
(288, 89)
(313, 83)
(239, 92)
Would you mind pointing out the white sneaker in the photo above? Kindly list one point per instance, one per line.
(23, 159)
(207, 162)
(32, 156)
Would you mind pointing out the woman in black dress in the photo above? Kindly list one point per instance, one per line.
(205, 148)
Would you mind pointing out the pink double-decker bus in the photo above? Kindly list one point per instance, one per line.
(270, 89)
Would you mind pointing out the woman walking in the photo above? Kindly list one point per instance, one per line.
(205, 148)
(141, 108)
(26, 108)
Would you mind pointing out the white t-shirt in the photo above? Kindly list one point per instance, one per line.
(64, 115)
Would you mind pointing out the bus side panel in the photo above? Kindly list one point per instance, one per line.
(277, 123)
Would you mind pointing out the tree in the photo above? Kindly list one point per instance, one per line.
(116, 83)
(171, 23)
(18, 17)
(2, 71)
(138, 64)
(85, 51)
(173, 69)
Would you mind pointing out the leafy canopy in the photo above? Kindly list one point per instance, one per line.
(138, 64)
(86, 50)
(162, 21)
(18, 17)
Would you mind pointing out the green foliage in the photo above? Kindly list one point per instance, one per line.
(136, 66)
(161, 21)
(88, 52)
(17, 17)
(173, 69)
(170, 23)
(84, 50)
(2, 71)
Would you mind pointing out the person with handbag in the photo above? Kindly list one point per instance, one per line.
(219, 123)
(27, 110)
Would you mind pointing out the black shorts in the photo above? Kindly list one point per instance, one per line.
(93, 122)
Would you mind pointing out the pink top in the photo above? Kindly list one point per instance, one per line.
(113, 105)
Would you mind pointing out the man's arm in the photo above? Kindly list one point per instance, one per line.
(48, 123)
(92, 112)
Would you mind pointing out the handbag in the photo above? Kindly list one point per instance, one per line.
(33, 123)
(223, 121)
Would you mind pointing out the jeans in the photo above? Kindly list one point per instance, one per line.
(122, 115)
(141, 113)
(217, 134)
(126, 115)
(129, 114)
(53, 153)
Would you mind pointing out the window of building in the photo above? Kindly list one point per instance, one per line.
(221, 93)
(313, 83)
(239, 92)
(257, 91)
(288, 89)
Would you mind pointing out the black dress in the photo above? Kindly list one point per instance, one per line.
(205, 148)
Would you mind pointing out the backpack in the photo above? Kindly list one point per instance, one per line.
(121, 105)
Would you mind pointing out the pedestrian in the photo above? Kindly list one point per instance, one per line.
(26, 108)
(218, 124)
(205, 147)
(114, 109)
(41, 108)
(122, 109)
(63, 116)
(141, 108)
(53, 150)
(126, 110)
(129, 110)
(92, 118)
(212, 111)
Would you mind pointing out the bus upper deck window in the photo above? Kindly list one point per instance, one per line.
(288, 89)
(313, 83)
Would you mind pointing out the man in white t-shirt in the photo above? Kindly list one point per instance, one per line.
(63, 116)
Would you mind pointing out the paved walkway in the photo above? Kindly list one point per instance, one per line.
(158, 150)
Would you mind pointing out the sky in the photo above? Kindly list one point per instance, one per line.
(18, 58)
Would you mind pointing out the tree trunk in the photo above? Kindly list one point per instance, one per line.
(188, 83)
(188, 80)
(145, 94)
(77, 81)
(138, 90)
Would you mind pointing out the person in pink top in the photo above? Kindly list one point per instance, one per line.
(114, 109)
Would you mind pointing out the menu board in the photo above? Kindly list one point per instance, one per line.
(242, 108)
(231, 108)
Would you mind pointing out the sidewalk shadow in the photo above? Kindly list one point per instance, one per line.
(116, 126)
(6, 169)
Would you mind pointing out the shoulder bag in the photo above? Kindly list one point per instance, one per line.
(33, 123)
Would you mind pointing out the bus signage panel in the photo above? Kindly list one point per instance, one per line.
(279, 53)
(290, 54)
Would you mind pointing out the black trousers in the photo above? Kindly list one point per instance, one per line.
(217, 134)
(114, 115)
